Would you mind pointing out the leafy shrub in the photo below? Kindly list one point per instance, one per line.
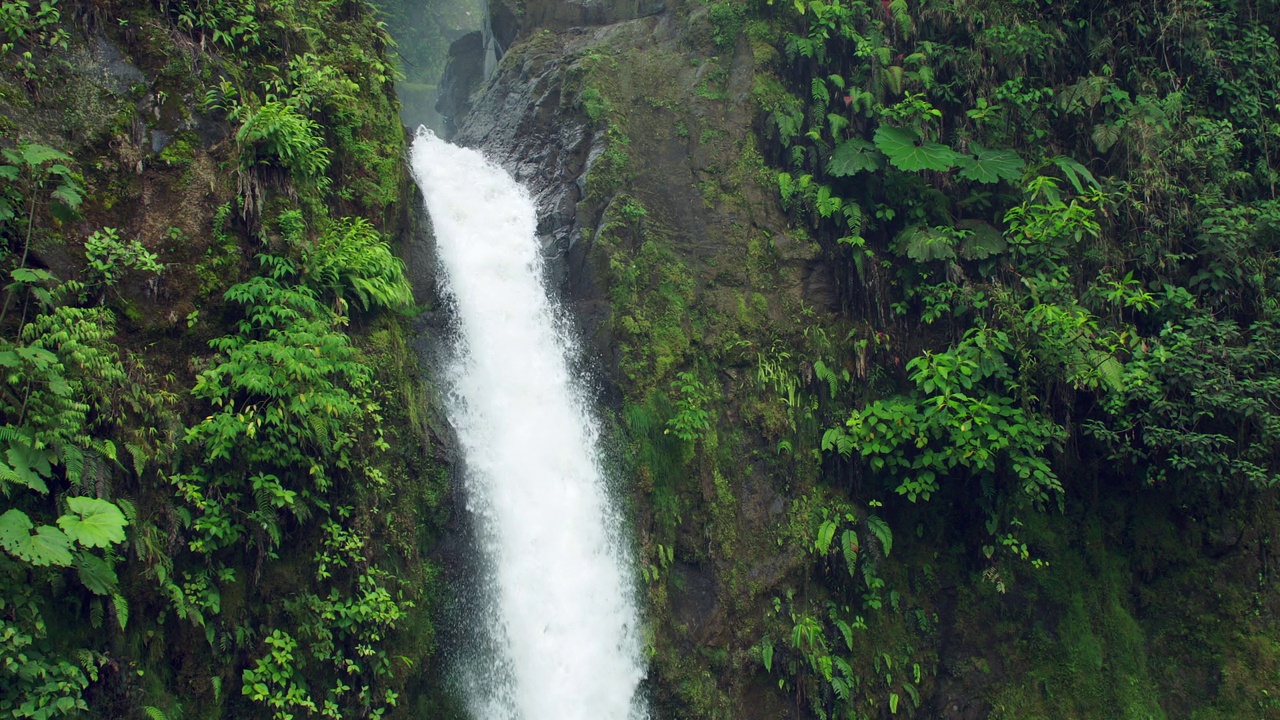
(351, 257)
(108, 257)
(277, 133)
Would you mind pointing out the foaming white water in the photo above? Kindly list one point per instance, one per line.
(564, 615)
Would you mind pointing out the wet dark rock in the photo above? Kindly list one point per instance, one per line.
(511, 18)
(109, 69)
(463, 74)
(693, 600)
(565, 14)
(159, 140)
(503, 24)
(523, 122)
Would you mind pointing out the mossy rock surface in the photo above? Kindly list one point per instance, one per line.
(651, 145)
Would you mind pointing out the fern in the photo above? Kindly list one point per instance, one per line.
(122, 609)
(849, 550)
(262, 498)
(139, 457)
(128, 508)
(880, 529)
(827, 375)
(277, 133)
(351, 256)
(73, 461)
(902, 16)
(818, 90)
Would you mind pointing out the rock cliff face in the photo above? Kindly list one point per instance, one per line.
(462, 76)
(638, 142)
(579, 78)
(728, 341)
(731, 346)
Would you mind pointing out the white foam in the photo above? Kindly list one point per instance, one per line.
(566, 620)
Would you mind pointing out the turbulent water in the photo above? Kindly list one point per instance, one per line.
(560, 614)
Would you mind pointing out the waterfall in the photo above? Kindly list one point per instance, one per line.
(561, 612)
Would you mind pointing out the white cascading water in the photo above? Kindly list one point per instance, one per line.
(564, 617)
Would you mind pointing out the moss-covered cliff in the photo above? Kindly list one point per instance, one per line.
(220, 482)
(938, 337)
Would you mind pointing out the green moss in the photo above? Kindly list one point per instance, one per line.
(652, 295)
(609, 172)
(726, 24)
(180, 151)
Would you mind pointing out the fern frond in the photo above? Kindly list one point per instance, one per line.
(262, 496)
(127, 507)
(122, 609)
(352, 256)
(10, 432)
(73, 461)
(139, 457)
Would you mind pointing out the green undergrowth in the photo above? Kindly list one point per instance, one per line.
(1037, 402)
(693, 323)
(221, 489)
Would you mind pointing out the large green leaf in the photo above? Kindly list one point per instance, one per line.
(981, 240)
(51, 547)
(48, 546)
(31, 275)
(34, 154)
(96, 574)
(68, 195)
(30, 466)
(1075, 172)
(15, 529)
(923, 244)
(1084, 94)
(905, 150)
(1105, 136)
(854, 156)
(95, 522)
(39, 357)
(991, 166)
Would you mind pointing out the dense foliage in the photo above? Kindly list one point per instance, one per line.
(1020, 460)
(212, 537)
(1023, 465)
(1072, 206)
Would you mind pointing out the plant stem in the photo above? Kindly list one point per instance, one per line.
(26, 247)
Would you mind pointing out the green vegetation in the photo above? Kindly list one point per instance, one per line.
(1058, 281)
(946, 360)
(1038, 399)
(197, 466)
